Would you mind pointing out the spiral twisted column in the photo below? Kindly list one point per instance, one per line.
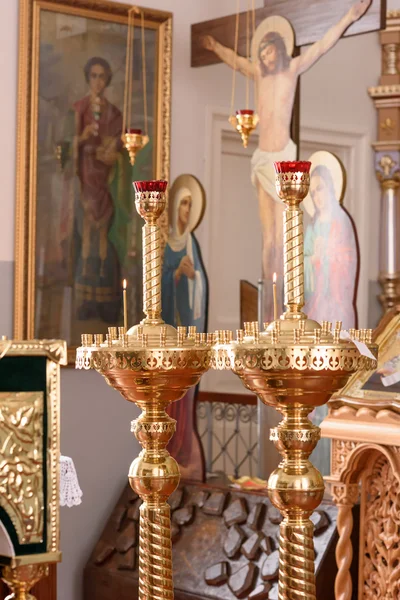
(345, 496)
(154, 475)
(296, 560)
(293, 259)
(150, 201)
(296, 488)
(155, 553)
(292, 185)
(151, 235)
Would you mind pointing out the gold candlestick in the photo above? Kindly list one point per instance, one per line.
(274, 297)
(294, 366)
(125, 305)
(152, 366)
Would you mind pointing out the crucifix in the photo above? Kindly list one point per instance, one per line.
(316, 24)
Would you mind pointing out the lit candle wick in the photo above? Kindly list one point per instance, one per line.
(125, 305)
(274, 296)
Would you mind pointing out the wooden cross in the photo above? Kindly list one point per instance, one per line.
(310, 20)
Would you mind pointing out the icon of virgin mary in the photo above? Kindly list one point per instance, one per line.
(185, 297)
(184, 281)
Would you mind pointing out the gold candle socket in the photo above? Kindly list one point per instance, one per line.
(152, 365)
(295, 366)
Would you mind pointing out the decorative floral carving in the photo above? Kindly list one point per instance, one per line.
(382, 533)
(340, 451)
(21, 475)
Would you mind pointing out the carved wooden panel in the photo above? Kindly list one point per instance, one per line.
(381, 533)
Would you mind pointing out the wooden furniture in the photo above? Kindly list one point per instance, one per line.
(364, 425)
(29, 474)
(224, 546)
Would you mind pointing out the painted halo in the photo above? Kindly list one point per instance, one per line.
(336, 168)
(193, 185)
(278, 24)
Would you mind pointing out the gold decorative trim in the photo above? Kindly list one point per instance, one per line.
(21, 465)
(285, 357)
(53, 456)
(384, 90)
(145, 359)
(164, 133)
(55, 350)
(298, 435)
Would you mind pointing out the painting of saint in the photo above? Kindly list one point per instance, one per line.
(330, 246)
(97, 129)
(276, 74)
(185, 299)
(88, 235)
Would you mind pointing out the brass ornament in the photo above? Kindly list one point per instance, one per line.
(152, 365)
(21, 579)
(134, 140)
(244, 122)
(295, 364)
(21, 483)
(21, 475)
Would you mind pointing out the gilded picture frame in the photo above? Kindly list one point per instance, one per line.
(43, 61)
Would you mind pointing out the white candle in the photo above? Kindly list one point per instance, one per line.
(125, 306)
(274, 296)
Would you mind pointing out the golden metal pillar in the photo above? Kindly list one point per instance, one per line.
(294, 365)
(152, 365)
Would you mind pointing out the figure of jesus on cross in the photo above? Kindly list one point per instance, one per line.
(276, 74)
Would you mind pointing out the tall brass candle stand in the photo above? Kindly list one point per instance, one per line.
(152, 365)
(294, 365)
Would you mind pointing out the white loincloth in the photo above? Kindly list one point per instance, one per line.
(262, 166)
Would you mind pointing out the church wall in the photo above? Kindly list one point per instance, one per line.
(95, 419)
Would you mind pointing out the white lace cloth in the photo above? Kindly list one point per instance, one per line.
(70, 491)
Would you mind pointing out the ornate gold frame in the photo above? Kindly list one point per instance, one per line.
(55, 352)
(29, 20)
